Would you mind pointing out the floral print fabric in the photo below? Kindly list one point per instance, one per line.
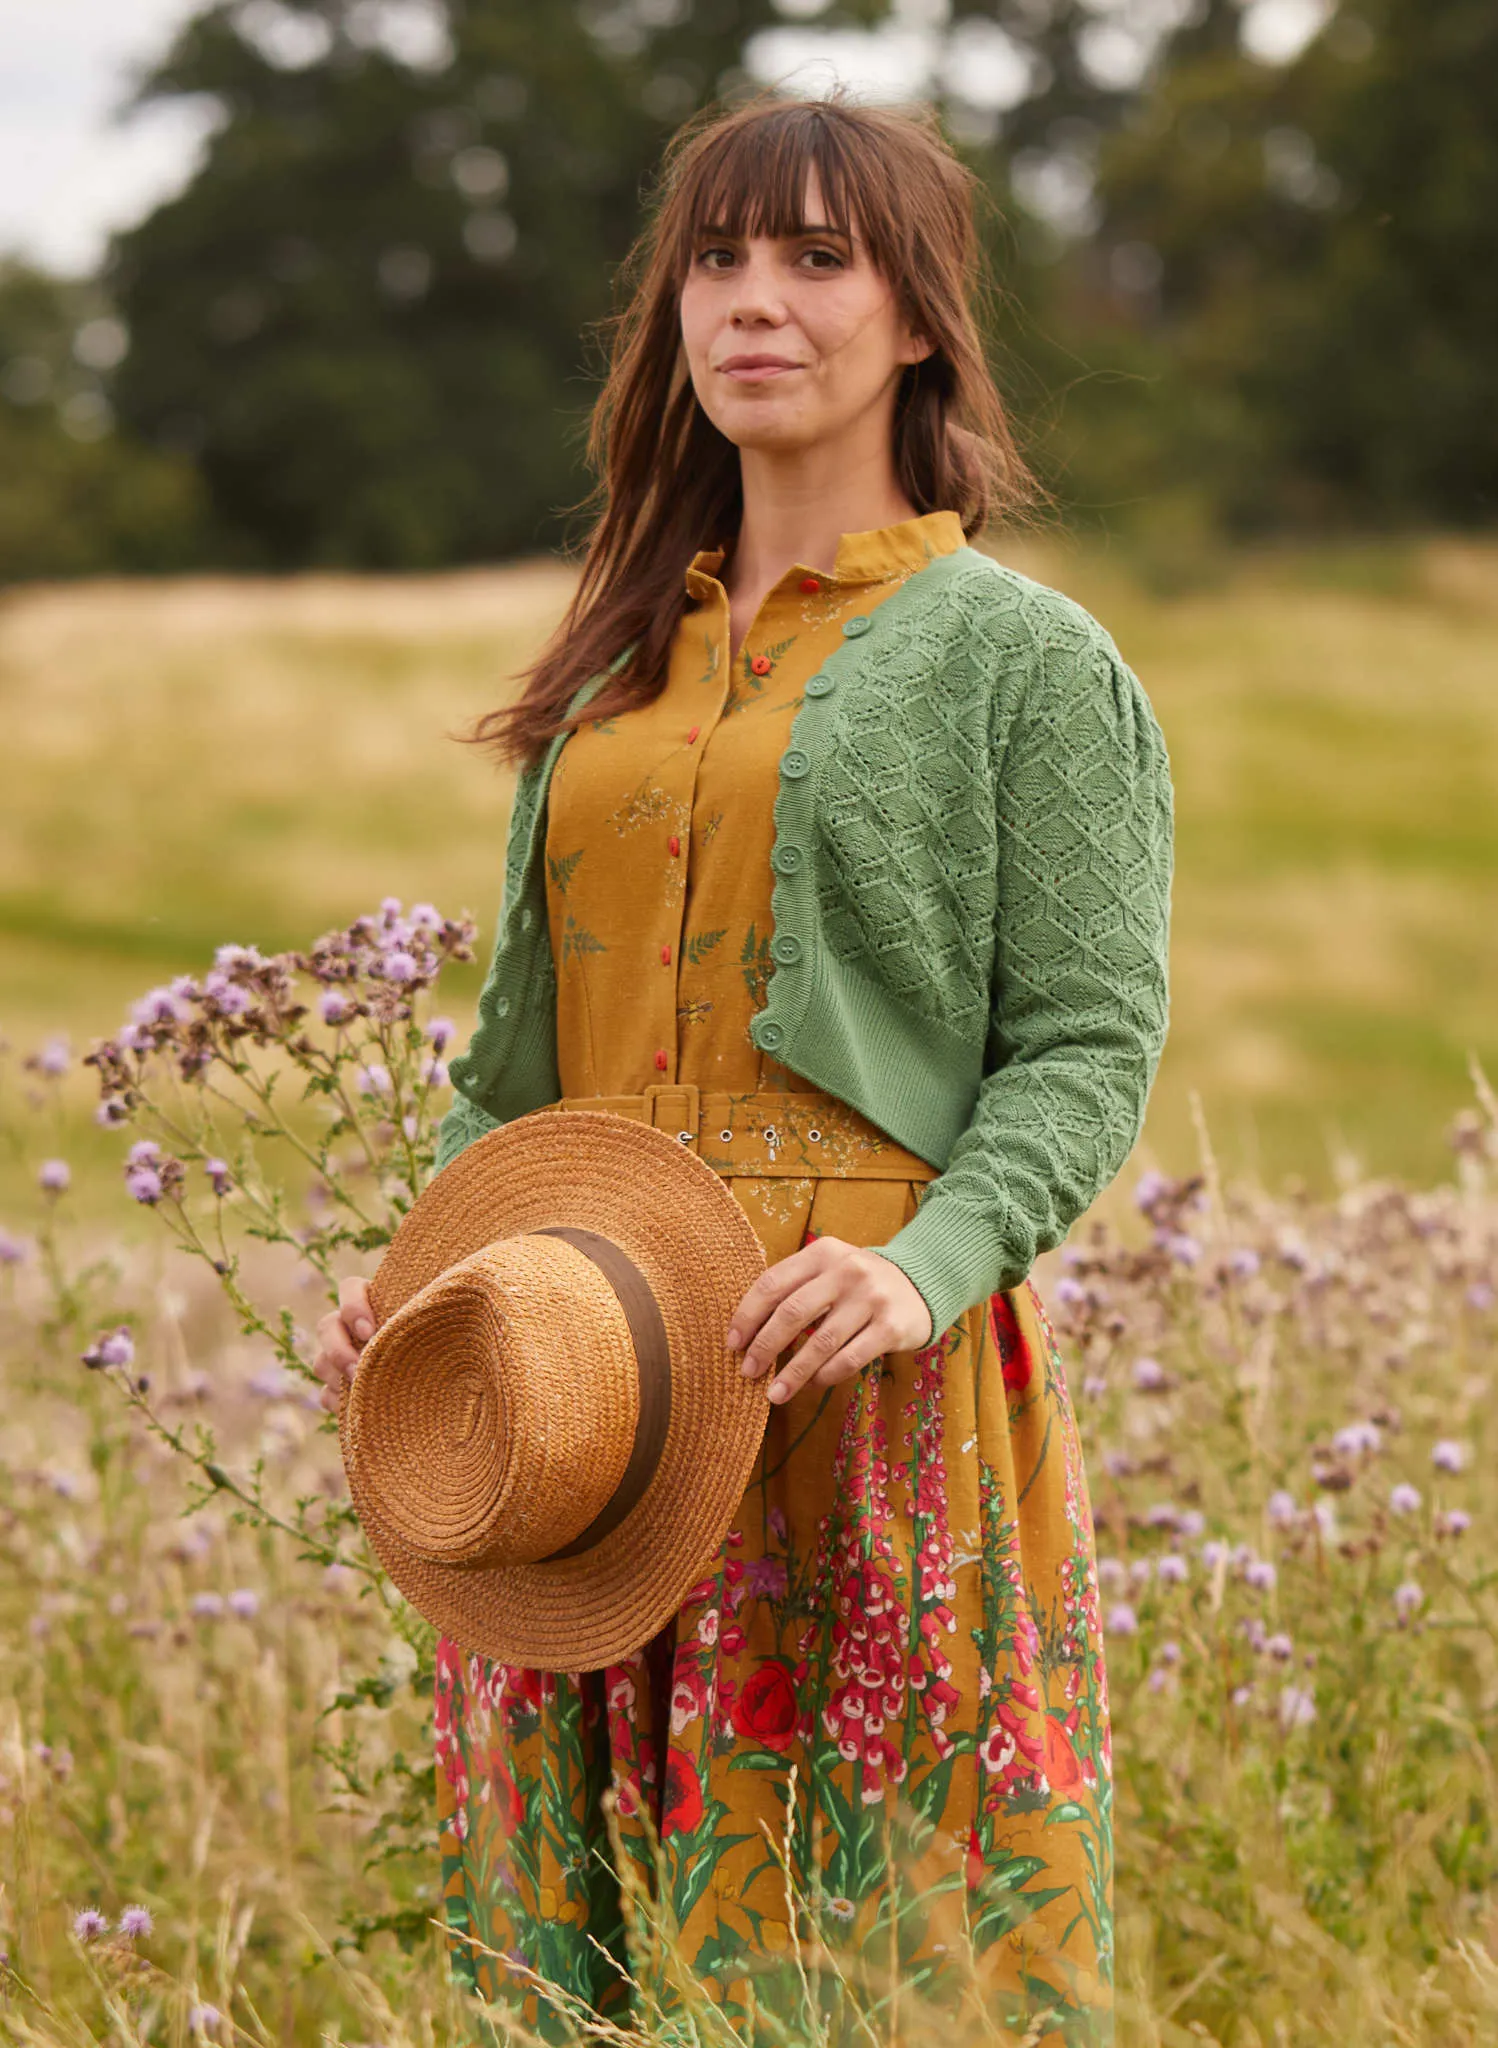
(906, 1607)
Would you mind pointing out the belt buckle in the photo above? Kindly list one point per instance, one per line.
(675, 1107)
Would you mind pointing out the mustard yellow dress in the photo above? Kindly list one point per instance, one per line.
(906, 1607)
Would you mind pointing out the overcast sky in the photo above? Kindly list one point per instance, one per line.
(70, 171)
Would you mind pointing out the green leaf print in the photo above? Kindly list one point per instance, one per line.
(577, 940)
(702, 943)
(561, 870)
(860, 1859)
(755, 961)
(758, 1760)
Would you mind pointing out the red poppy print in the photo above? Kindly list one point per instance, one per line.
(682, 1809)
(1015, 1356)
(765, 1709)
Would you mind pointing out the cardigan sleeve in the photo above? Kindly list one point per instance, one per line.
(1080, 989)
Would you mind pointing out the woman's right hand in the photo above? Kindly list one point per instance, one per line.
(341, 1335)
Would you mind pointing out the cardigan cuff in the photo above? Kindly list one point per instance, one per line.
(953, 1257)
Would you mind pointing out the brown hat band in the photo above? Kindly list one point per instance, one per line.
(653, 1357)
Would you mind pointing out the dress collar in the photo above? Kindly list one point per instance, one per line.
(871, 556)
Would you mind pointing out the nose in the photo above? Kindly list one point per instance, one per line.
(756, 295)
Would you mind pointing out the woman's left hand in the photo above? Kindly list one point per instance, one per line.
(866, 1304)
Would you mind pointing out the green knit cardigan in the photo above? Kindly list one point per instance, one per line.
(972, 869)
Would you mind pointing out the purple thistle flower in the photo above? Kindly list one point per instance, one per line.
(144, 1183)
(115, 1348)
(89, 1924)
(1408, 1599)
(1357, 1439)
(207, 1606)
(1279, 1647)
(226, 998)
(1149, 1375)
(227, 958)
(1213, 1553)
(1110, 1571)
(1191, 1523)
(1480, 1295)
(1243, 1263)
(1173, 1569)
(245, 1602)
(1122, 1620)
(374, 1079)
(440, 1032)
(55, 1175)
(203, 2019)
(1149, 1188)
(111, 1111)
(1404, 1498)
(144, 1152)
(1071, 1293)
(1169, 1652)
(1280, 1509)
(1095, 1386)
(434, 1072)
(1163, 1515)
(1448, 1455)
(218, 1173)
(426, 917)
(1455, 1522)
(54, 1057)
(136, 1923)
(399, 966)
(1182, 1248)
(1297, 1707)
(334, 1007)
(159, 1006)
(12, 1249)
(1243, 1695)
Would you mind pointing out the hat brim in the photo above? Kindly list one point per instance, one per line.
(680, 1223)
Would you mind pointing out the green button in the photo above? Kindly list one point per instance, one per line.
(794, 763)
(859, 623)
(502, 1007)
(821, 684)
(786, 859)
(786, 947)
(526, 917)
(771, 1034)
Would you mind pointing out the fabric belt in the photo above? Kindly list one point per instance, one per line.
(767, 1132)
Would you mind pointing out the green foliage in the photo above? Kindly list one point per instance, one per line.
(78, 498)
(1292, 291)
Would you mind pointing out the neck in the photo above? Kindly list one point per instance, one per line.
(798, 505)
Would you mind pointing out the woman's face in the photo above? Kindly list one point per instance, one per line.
(790, 342)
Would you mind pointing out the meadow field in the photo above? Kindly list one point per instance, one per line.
(1280, 1326)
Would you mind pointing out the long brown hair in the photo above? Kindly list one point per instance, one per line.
(668, 481)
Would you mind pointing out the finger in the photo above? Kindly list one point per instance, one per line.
(773, 1285)
(826, 1343)
(796, 1313)
(353, 1307)
(858, 1351)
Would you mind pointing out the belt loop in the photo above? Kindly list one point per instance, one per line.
(674, 1107)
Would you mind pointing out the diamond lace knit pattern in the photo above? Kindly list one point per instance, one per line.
(974, 848)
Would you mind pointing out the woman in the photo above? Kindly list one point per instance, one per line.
(906, 1607)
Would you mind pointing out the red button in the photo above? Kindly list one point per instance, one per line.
(761, 664)
(810, 583)
(660, 1059)
(665, 956)
(693, 734)
(673, 844)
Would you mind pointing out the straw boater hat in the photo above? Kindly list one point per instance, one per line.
(547, 1437)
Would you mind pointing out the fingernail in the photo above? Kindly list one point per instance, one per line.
(734, 1340)
(778, 1390)
(364, 1327)
(749, 1367)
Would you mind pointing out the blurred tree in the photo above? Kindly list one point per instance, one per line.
(366, 315)
(76, 497)
(1302, 264)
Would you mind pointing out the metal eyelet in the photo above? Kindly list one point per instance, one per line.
(685, 1137)
(815, 1137)
(725, 1136)
(769, 1135)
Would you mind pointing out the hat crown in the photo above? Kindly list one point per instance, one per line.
(478, 1431)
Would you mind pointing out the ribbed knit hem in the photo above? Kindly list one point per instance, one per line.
(947, 1251)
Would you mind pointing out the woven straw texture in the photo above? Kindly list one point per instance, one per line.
(492, 1412)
